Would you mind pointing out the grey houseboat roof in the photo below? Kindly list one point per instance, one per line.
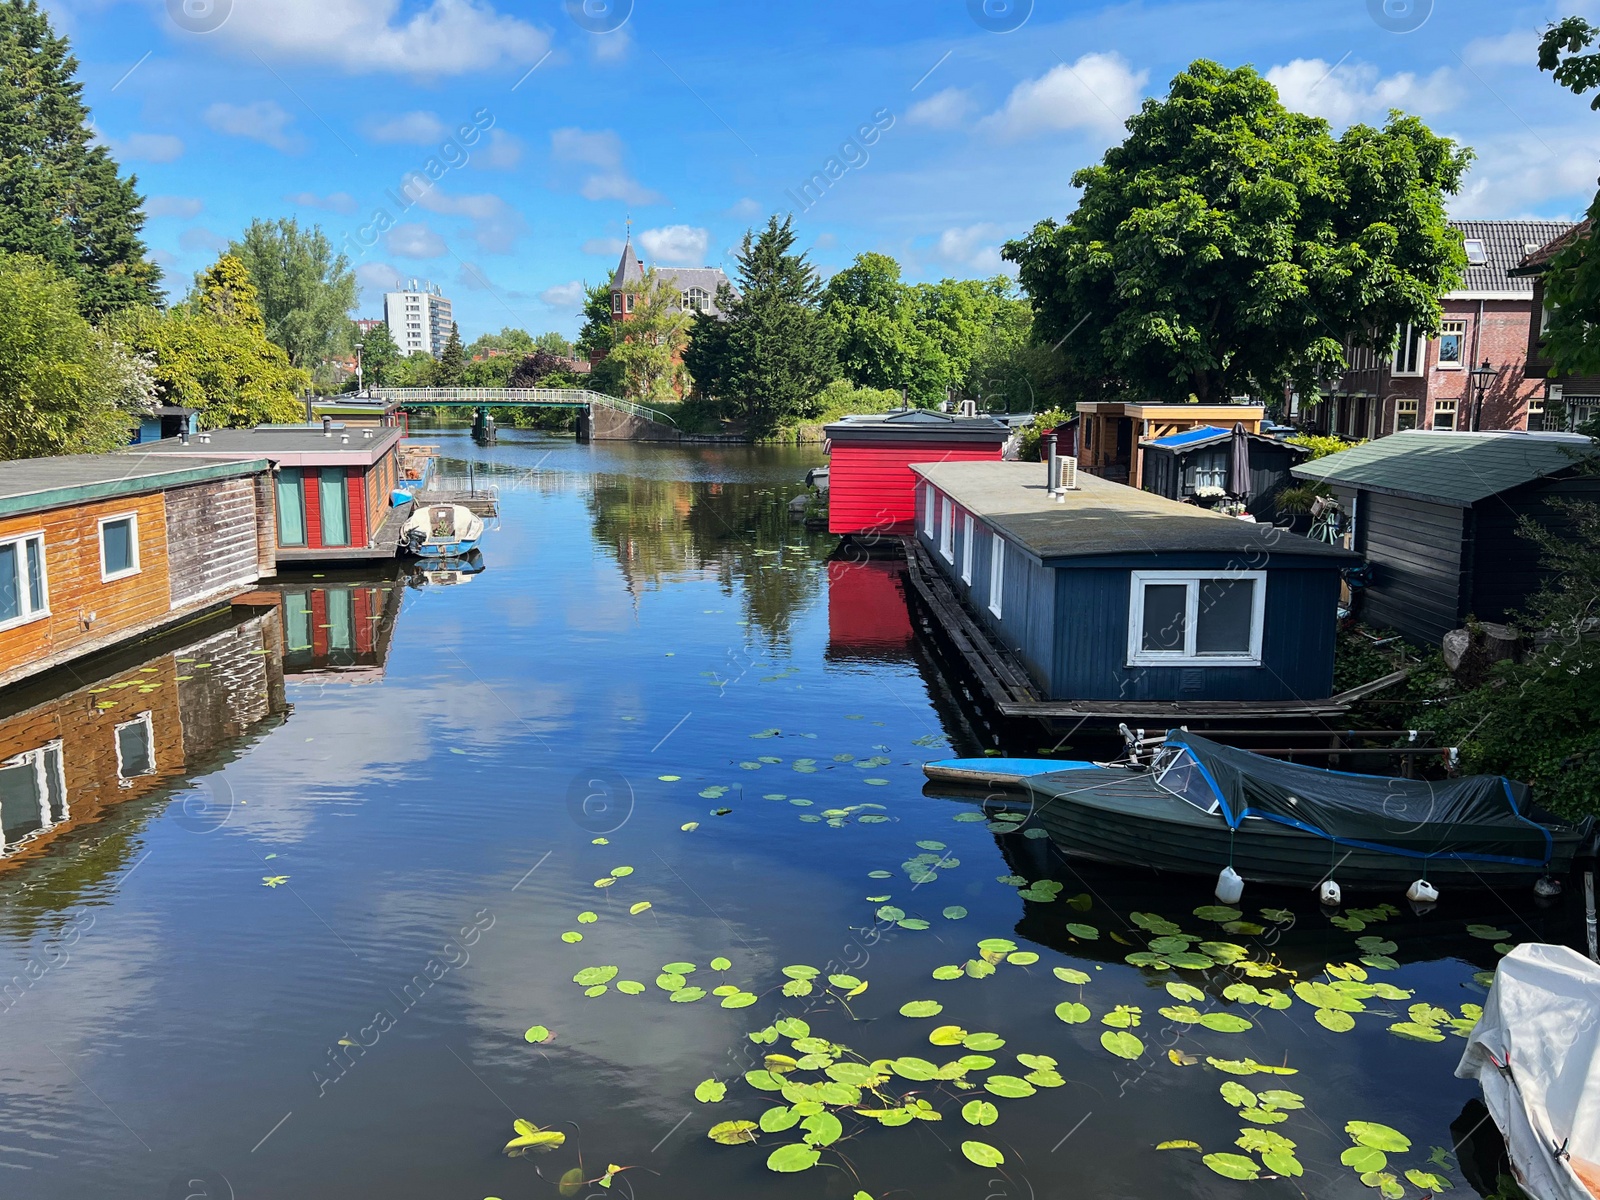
(1458, 469)
(291, 446)
(1100, 518)
(36, 484)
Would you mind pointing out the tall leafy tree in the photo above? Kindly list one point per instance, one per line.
(776, 353)
(307, 291)
(1229, 245)
(873, 319)
(61, 196)
(507, 341)
(595, 337)
(378, 355)
(60, 382)
(648, 347)
(452, 360)
(553, 342)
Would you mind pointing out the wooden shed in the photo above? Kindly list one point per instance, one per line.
(1436, 515)
(871, 488)
(99, 548)
(332, 485)
(1179, 465)
(1111, 432)
(1113, 594)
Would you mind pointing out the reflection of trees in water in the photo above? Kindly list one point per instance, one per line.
(740, 534)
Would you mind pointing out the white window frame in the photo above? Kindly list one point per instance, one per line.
(29, 613)
(966, 548)
(1415, 411)
(997, 576)
(947, 529)
(116, 744)
(1138, 656)
(36, 759)
(1416, 342)
(1459, 329)
(1451, 405)
(133, 544)
(927, 510)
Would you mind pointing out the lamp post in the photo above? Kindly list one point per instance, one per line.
(361, 382)
(1482, 377)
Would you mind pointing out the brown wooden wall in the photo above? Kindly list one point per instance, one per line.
(211, 540)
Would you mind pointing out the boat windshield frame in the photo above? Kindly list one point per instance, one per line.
(1192, 787)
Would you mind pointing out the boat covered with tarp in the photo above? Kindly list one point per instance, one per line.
(440, 531)
(1201, 806)
(1535, 1052)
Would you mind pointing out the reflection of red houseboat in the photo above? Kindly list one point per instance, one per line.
(871, 487)
(337, 632)
(867, 615)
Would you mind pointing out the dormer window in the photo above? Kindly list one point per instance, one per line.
(698, 299)
(1477, 256)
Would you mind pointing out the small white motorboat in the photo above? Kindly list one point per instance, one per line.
(441, 531)
(1536, 1054)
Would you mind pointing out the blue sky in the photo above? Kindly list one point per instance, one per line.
(699, 117)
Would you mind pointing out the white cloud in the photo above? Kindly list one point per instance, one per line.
(974, 246)
(378, 277)
(503, 152)
(564, 296)
(1518, 48)
(173, 206)
(473, 278)
(148, 147)
(1350, 92)
(338, 202)
(746, 209)
(1097, 93)
(680, 245)
(410, 129)
(611, 47)
(495, 225)
(443, 37)
(1518, 176)
(601, 149)
(948, 109)
(604, 247)
(415, 240)
(261, 121)
(200, 240)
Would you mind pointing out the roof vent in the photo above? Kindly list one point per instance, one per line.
(344, 439)
(366, 433)
(206, 438)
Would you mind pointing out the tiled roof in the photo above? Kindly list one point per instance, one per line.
(1452, 468)
(628, 268)
(1535, 262)
(1505, 244)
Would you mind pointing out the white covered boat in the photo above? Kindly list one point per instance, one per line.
(1536, 1054)
(441, 531)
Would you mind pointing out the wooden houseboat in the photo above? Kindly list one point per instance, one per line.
(358, 412)
(871, 488)
(1183, 466)
(1436, 515)
(332, 485)
(1110, 433)
(97, 549)
(1109, 602)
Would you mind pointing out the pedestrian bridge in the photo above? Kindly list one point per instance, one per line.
(518, 398)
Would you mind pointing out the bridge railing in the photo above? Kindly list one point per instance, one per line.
(554, 397)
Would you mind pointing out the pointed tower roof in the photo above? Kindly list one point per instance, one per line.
(628, 268)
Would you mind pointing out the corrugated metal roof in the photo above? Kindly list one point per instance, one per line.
(33, 484)
(1505, 245)
(1200, 433)
(1101, 518)
(1451, 468)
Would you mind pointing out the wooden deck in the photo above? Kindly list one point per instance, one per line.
(484, 504)
(1013, 693)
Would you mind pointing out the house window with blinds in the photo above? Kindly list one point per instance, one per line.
(1405, 415)
(1444, 413)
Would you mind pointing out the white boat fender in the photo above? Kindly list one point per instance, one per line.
(1422, 892)
(1547, 886)
(1328, 893)
(1229, 886)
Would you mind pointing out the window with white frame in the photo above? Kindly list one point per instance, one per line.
(966, 549)
(1535, 414)
(947, 530)
(33, 792)
(24, 595)
(1452, 345)
(136, 747)
(1195, 619)
(997, 576)
(1405, 414)
(1444, 413)
(927, 510)
(1407, 351)
(1477, 254)
(119, 547)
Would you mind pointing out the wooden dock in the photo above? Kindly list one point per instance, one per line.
(483, 503)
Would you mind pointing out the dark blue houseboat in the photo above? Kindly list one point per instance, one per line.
(1120, 603)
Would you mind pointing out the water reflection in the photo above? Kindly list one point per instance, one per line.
(338, 631)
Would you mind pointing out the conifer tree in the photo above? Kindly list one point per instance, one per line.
(452, 360)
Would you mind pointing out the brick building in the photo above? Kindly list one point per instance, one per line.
(1429, 382)
(696, 285)
(1570, 400)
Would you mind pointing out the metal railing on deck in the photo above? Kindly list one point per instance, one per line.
(551, 397)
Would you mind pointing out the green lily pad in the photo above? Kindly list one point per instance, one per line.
(733, 1133)
(787, 1160)
(1363, 1159)
(1122, 1044)
(1073, 1013)
(712, 1091)
(537, 1034)
(1008, 1087)
(1232, 1166)
(1378, 1137)
(921, 1008)
(983, 1154)
(687, 995)
(979, 1112)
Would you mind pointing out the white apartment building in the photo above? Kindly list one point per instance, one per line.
(419, 318)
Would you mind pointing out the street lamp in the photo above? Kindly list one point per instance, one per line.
(361, 383)
(1482, 377)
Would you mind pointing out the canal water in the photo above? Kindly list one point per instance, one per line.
(320, 898)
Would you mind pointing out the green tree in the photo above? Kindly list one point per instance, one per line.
(378, 355)
(1231, 246)
(1572, 275)
(776, 353)
(414, 370)
(62, 386)
(650, 345)
(212, 352)
(516, 342)
(596, 335)
(553, 343)
(307, 292)
(872, 316)
(452, 361)
(61, 197)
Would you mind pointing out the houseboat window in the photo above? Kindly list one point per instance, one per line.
(341, 618)
(1405, 415)
(297, 621)
(1444, 413)
(291, 507)
(927, 511)
(1179, 618)
(947, 530)
(1407, 351)
(32, 792)
(119, 547)
(966, 549)
(334, 501)
(997, 576)
(136, 747)
(55, 782)
(1452, 341)
(22, 588)
(1183, 778)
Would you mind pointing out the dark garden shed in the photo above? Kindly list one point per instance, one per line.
(1195, 465)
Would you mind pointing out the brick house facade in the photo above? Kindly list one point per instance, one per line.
(1571, 400)
(1428, 382)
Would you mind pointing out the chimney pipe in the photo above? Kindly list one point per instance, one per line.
(1055, 466)
(327, 426)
